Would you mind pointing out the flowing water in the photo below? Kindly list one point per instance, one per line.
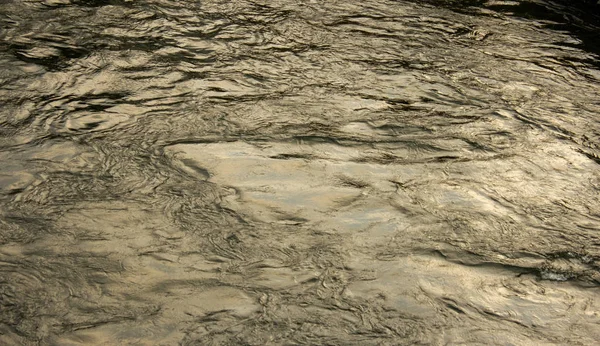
(306, 172)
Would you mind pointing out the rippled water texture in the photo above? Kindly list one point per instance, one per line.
(299, 172)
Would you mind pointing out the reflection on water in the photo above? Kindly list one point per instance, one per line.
(315, 172)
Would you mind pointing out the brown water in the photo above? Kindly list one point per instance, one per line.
(299, 172)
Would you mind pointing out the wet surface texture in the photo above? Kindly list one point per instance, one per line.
(299, 172)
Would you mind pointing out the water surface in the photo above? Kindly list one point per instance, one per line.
(299, 172)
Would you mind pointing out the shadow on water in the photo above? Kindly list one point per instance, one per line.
(579, 17)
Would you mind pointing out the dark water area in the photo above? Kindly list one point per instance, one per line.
(299, 172)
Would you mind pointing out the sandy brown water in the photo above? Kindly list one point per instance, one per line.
(299, 172)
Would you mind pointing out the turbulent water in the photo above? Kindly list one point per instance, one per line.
(299, 172)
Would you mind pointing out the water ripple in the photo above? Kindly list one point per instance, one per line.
(252, 172)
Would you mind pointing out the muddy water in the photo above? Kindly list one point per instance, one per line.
(299, 172)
